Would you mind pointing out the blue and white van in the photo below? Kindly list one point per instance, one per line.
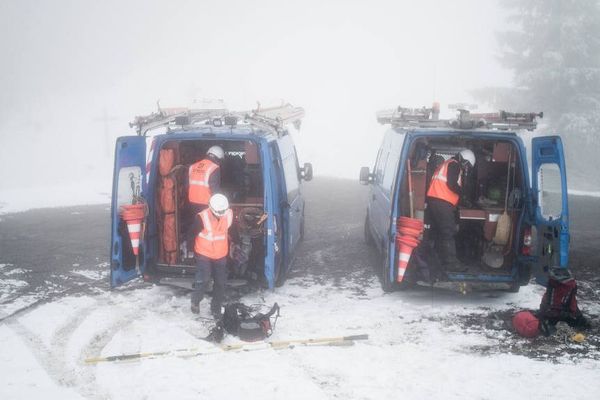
(535, 229)
(260, 175)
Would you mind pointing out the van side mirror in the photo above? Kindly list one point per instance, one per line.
(307, 172)
(365, 176)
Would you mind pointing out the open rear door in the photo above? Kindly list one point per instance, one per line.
(550, 205)
(129, 177)
(271, 198)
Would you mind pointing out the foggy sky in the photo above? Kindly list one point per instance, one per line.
(67, 65)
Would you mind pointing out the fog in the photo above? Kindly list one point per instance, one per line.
(74, 73)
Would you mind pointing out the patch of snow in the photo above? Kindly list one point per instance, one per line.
(9, 287)
(60, 195)
(94, 275)
(583, 193)
(16, 271)
(417, 348)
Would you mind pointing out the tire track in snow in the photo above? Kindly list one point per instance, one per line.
(54, 359)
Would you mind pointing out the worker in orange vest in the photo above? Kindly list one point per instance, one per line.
(204, 179)
(443, 197)
(211, 248)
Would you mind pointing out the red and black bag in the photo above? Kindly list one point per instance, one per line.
(559, 302)
(239, 321)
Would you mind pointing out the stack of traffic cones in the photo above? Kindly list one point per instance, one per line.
(408, 237)
(133, 215)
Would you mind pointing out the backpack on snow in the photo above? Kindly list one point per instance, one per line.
(559, 302)
(239, 321)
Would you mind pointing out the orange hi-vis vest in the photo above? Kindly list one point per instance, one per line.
(199, 176)
(212, 241)
(439, 184)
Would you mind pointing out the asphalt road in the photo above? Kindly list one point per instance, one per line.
(65, 250)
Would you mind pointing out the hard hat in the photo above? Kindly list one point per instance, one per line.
(216, 151)
(468, 155)
(218, 204)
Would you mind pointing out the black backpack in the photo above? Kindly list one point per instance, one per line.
(238, 320)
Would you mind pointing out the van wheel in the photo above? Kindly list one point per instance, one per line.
(279, 276)
(514, 287)
(524, 274)
(367, 232)
(386, 284)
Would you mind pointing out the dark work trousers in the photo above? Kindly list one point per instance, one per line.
(192, 214)
(205, 268)
(442, 217)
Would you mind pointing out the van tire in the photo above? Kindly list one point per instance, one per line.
(280, 279)
(367, 232)
(514, 287)
(386, 284)
(279, 276)
(524, 274)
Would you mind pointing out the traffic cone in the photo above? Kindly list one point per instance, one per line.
(406, 245)
(412, 232)
(133, 215)
(412, 223)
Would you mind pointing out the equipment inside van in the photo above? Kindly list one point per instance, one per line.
(260, 176)
(507, 226)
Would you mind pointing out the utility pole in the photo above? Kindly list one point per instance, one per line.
(106, 120)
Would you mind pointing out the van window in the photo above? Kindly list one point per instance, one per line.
(390, 170)
(382, 158)
(391, 166)
(381, 166)
(290, 172)
(128, 184)
(550, 195)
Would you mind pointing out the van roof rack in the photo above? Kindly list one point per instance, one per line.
(271, 119)
(429, 118)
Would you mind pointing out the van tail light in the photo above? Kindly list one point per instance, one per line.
(527, 242)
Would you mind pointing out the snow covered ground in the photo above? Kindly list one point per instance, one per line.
(95, 191)
(423, 344)
(416, 348)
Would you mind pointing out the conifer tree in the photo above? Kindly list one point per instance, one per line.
(553, 49)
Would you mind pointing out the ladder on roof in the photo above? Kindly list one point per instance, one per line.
(271, 119)
(276, 117)
(429, 118)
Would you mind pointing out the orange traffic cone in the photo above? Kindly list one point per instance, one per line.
(406, 245)
(413, 223)
(133, 215)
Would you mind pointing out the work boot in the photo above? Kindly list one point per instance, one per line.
(216, 311)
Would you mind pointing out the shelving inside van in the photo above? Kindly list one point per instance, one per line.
(241, 182)
(486, 241)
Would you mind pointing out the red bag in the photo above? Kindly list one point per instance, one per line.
(169, 237)
(167, 195)
(526, 324)
(560, 299)
(166, 161)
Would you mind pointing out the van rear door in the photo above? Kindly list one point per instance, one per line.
(549, 184)
(129, 178)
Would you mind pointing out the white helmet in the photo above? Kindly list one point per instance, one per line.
(218, 204)
(468, 155)
(216, 151)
